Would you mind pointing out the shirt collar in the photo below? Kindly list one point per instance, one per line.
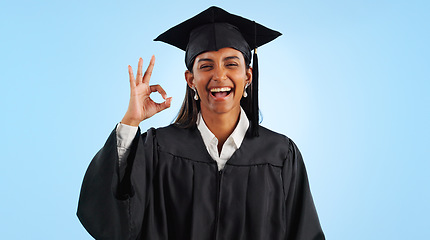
(237, 135)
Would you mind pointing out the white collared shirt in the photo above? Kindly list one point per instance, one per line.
(232, 143)
(125, 135)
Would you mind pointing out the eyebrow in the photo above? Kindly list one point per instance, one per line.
(211, 60)
(232, 57)
(205, 60)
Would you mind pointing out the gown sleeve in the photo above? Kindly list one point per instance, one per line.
(302, 219)
(111, 205)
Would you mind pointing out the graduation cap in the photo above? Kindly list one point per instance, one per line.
(214, 29)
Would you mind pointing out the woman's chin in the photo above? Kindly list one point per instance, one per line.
(223, 108)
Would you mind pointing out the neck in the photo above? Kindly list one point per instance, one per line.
(221, 125)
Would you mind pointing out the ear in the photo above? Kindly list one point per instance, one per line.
(249, 75)
(189, 77)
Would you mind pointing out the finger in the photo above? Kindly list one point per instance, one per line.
(132, 80)
(159, 89)
(139, 71)
(148, 71)
(164, 105)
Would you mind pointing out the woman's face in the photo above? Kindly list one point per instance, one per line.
(219, 78)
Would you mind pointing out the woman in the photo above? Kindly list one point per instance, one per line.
(213, 174)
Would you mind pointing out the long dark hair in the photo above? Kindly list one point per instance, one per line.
(187, 115)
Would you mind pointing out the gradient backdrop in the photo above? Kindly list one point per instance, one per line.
(348, 82)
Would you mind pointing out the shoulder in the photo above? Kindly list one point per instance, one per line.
(267, 134)
(272, 140)
(175, 134)
(182, 142)
(290, 152)
(280, 142)
(272, 136)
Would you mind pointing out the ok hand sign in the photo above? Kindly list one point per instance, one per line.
(141, 106)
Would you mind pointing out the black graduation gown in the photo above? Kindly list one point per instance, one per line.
(171, 189)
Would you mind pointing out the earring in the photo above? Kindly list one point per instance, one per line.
(245, 94)
(196, 97)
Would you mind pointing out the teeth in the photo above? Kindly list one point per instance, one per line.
(223, 89)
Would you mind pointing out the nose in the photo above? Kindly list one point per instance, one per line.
(220, 74)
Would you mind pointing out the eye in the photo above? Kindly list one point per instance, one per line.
(205, 66)
(232, 64)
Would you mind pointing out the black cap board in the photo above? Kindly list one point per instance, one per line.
(254, 34)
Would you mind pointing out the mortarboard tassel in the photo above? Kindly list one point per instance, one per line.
(255, 113)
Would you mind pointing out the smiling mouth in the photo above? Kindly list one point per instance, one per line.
(220, 92)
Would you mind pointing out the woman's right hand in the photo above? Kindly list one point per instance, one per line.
(141, 106)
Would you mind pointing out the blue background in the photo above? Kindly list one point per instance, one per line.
(348, 82)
